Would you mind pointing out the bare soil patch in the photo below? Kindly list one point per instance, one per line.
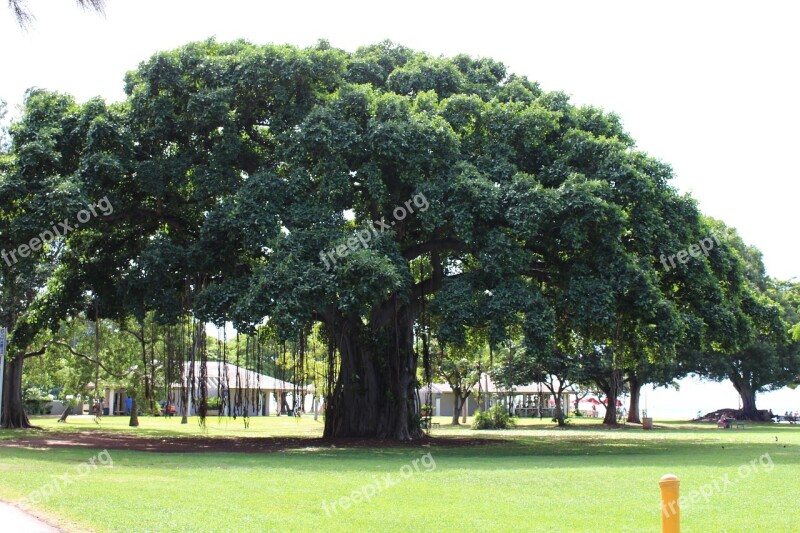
(119, 441)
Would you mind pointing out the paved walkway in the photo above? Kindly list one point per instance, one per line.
(12, 520)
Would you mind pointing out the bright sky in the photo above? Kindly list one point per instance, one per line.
(707, 86)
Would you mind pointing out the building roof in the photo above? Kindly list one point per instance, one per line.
(234, 377)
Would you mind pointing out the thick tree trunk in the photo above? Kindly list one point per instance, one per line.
(134, 422)
(375, 394)
(748, 395)
(633, 408)
(14, 416)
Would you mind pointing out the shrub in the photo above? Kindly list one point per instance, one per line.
(495, 418)
(37, 401)
(214, 404)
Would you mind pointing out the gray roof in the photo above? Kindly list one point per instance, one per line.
(235, 377)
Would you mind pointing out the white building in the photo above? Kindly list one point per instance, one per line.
(261, 394)
(532, 400)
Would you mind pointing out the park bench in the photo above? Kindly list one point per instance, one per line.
(740, 424)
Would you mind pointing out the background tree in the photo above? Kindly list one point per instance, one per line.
(57, 370)
(41, 185)
(765, 356)
(4, 139)
(460, 367)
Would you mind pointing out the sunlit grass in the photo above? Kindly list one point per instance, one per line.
(533, 478)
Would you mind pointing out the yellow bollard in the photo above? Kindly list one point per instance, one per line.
(670, 508)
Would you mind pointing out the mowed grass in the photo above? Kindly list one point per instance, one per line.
(533, 478)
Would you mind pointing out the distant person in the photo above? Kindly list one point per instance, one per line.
(128, 405)
(594, 411)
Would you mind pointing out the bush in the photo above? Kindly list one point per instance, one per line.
(37, 401)
(495, 418)
(214, 404)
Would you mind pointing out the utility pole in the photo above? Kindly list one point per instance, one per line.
(3, 336)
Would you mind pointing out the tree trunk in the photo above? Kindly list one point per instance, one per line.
(134, 422)
(459, 401)
(184, 405)
(748, 395)
(66, 413)
(375, 394)
(559, 411)
(14, 416)
(284, 408)
(611, 388)
(633, 408)
(456, 407)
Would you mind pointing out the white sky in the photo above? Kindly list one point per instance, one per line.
(709, 87)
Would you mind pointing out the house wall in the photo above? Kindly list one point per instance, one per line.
(268, 405)
(444, 403)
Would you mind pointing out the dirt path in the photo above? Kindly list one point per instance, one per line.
(117, 441)
(17, 521)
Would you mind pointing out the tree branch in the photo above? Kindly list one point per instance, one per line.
(94, 361)
(35, 354)
(416, 250)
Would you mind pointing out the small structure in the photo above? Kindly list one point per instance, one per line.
(530, 400)
(113, 398)
(261, 394)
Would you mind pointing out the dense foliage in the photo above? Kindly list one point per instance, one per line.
(387, 195)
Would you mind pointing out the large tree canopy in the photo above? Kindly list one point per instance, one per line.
(371, 192)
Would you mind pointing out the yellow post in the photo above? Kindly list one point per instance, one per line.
(670, 508)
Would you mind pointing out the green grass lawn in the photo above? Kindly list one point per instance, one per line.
(533, 478)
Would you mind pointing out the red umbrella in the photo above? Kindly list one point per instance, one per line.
(594, 401)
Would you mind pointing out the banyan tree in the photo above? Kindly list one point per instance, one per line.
(361, 194)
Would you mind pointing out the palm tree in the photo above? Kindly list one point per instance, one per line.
(25, 17)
